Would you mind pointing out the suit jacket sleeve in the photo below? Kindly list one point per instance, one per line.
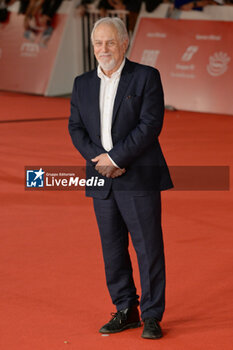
(78, 132)
(149, 126)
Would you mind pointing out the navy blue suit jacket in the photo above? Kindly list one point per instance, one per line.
(136, 124)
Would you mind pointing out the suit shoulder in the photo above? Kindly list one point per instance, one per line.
(144, 69)
(85, 76)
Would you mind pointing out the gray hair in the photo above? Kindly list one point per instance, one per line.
(112, 21)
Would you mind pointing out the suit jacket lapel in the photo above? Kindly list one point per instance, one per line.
(123, 84)
(94, 101)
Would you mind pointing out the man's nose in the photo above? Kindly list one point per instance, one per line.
(105, 47)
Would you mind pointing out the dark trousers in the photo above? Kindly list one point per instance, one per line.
(140, 215)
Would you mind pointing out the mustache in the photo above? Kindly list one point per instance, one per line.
(104, 54)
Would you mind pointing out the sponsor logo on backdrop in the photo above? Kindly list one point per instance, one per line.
(184, 70)
(156, 35)
(208, 37)
(35, 178)
(149, 57)
(190, 51)
(218, 64)
(182, 75)
(29, 50)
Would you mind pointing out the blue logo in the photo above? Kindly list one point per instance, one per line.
(35, 178)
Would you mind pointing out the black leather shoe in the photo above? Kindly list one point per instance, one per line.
(151, 329)
(121, 320)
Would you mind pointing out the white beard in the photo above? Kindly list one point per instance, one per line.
(107, 66)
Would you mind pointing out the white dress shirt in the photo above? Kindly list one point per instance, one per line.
(108, 89)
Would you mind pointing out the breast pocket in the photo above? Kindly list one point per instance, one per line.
(133, 98)
(132, 104)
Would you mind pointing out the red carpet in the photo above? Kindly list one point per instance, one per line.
(17, 107)
(52, 276)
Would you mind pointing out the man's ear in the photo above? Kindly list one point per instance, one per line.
(125, 45)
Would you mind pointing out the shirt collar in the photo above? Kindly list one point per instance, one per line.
(101, 74)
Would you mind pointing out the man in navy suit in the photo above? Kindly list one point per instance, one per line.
(116, 117)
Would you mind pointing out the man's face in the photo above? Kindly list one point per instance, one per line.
(108, 49)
